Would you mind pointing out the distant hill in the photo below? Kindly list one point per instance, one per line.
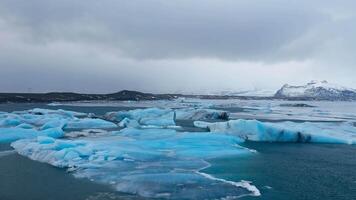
(68, 96)
(314, 90)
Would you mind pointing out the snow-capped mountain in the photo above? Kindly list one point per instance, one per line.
(318, 90)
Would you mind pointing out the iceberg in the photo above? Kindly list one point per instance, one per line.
(12, 134)
(35, 119)
(201, 114)
(10, 120)
(158, 117)
(129, 123)
(253, 130)
(154, 163)
(149, 116)
(87, 123)
(45, 119)
(43, 122)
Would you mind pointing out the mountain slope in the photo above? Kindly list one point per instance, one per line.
(318, 90)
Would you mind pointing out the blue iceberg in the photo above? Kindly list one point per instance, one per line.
(253, 130)
(146, 117)
(155, 163)
(43, 122)
(163, 118)
(12, 134)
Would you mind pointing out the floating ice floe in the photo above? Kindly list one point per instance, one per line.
(253, 130)
(157, 163)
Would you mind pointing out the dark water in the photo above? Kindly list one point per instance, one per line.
(295, 171)
(98, 110)
(24, 179)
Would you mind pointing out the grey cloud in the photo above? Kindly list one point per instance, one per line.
(240, 30)
(152, 45)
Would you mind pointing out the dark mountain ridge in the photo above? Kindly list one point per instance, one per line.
(124, 95)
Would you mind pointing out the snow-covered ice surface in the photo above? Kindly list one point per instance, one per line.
(141, 150)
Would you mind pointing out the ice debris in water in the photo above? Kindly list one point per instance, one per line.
(313, 132)
(158, 163)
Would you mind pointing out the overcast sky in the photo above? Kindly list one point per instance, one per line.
(173, 46)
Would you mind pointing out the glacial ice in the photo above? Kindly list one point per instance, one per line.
(88, 123)
(201, 114)
(139, 161)
(253, 130)
(139, 158)
(88, 133)
(159, 117)
(149, 116)
(45, 119)
(44, 122)
(12, 134)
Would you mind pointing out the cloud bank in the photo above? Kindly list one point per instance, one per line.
(170, 46)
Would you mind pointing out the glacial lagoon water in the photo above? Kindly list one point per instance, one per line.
(278, 170)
